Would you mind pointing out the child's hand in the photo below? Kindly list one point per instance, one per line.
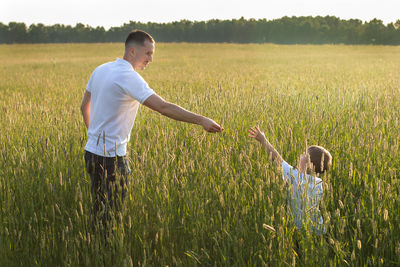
(254, 132)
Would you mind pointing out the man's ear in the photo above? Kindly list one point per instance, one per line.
(131, 51)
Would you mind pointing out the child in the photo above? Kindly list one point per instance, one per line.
(306, 188)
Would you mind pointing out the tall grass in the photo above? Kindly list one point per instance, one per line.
(197, 198)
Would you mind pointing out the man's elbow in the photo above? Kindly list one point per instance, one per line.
(83, 108)
(85, 104)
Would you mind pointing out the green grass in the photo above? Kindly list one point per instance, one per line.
(196, 198)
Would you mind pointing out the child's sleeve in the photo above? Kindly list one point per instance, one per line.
(318, 190)
(287, 171)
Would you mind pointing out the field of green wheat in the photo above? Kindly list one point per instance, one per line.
(199, 199)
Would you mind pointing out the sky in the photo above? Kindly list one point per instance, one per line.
(110, 13)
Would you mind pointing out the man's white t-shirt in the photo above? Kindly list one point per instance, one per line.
(305, 194)
(116, 91)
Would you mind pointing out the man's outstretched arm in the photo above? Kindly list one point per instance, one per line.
(156, 103)
(85, 108)
(254, 132)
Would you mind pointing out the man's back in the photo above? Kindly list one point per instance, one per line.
(116, 92)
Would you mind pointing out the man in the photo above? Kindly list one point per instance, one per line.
(306, 187)
(109, 107)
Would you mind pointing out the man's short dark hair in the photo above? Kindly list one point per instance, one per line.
(320, 158)
(138, 37)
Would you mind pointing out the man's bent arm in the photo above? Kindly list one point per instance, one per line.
(85, 108)
(156, 103)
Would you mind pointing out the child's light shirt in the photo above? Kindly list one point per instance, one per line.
(305, 195)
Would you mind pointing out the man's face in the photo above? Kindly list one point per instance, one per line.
(143, 55)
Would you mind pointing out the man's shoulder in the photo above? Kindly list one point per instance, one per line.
(133, 77)
(103, 67)
(121, 70)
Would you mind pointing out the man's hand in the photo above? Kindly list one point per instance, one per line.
(254, 132)
(211, 126)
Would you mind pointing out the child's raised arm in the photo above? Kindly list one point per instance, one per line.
(255, 133)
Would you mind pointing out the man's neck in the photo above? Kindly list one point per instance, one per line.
(125, 57)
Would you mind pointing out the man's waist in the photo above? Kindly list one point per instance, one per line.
(102, 157)
(106, 149)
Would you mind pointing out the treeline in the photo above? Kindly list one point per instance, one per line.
(286, 30)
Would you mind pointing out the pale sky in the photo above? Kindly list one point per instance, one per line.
(110, 13)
